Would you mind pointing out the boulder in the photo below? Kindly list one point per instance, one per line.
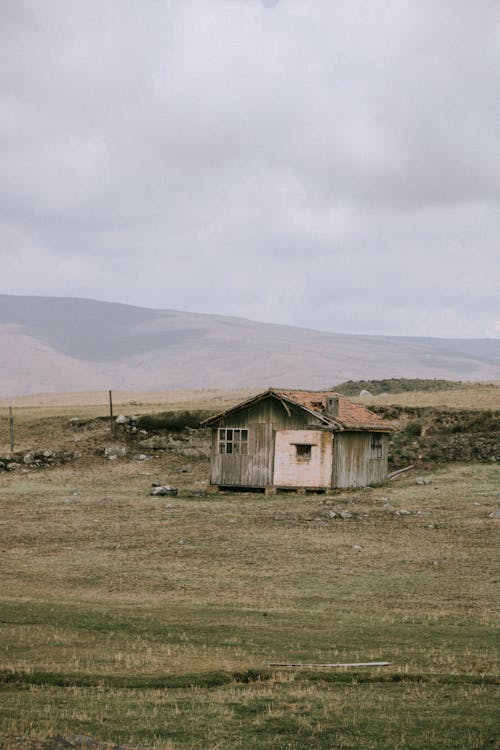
(115, 451)
(163, 490)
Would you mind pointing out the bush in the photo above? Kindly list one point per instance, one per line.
(171, 421)
(394, 385)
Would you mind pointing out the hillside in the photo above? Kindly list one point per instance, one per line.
(64, 344)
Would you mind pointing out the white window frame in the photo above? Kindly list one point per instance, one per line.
(232, 440)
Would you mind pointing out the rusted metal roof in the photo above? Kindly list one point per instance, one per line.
(350, 416)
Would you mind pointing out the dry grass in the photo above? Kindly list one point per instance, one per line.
(102, 583)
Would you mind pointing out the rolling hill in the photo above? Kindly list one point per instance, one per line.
(53, 344)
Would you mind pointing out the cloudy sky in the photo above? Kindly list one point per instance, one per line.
(329, 164)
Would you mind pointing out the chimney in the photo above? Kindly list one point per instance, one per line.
(332, 407)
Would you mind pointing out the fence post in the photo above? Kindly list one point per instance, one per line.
(11, 429)
(112, 421)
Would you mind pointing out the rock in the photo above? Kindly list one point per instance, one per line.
(197, 493)
(153, 443)
(331, 514)
(495, 513)
(29, 458)
(402, 512)
(114, 451)
(121, 419)
(12, 466)
(345, 514)
(356, 547)
(423, 480)
(364, 393)
(141, 457)
(387, 506)
(164, 489)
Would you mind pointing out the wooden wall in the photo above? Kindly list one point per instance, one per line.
(262, 420)
(353, 466)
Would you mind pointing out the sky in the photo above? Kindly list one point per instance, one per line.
(324, 163)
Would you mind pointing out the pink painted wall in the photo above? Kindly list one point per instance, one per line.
(293, 471)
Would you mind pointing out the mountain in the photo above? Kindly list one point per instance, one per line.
(52, 344)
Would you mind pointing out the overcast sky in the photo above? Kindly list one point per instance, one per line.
(329, 164)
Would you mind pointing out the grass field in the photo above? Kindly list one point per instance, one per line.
(153, 621)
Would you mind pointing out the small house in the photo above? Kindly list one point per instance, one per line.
(289, 439)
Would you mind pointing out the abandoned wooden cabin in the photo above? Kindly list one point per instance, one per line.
(286, 439)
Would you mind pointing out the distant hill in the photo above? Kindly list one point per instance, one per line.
(52, 344)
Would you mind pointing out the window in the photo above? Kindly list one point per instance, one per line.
(303, 451)
(376, 445)
(233, 440)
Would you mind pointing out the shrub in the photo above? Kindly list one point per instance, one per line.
(171, 421)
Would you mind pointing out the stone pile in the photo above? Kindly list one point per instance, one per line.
(36, 459)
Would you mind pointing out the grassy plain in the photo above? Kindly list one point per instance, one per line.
(154, 620)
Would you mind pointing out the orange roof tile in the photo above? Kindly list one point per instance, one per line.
(351, 415)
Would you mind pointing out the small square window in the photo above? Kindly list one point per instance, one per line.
(303, 451)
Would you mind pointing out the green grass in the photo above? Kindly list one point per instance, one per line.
(153, 621)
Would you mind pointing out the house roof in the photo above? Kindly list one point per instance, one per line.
(350, 416)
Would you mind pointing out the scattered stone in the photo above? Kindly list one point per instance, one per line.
(113, 452)
(183, 541)
(356, 547)
(423, 480)
(168, 506)
(74, 421)
(142, 457)
(388, 506)
(121, 419)
(153, 443)
(163, 489)
(495, 513)
(402, 512)
(345, 514)
(331, 514)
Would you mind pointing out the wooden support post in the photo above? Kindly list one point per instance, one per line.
(11, 429)
(111, 419)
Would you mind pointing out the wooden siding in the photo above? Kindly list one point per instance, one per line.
(251, 470)
(271, 410)
(353, 466)
(292, 471)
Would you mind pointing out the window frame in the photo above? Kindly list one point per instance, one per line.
(376, 446)
(232, 441)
